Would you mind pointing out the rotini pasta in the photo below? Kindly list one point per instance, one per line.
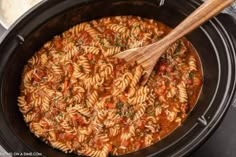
(78, 98)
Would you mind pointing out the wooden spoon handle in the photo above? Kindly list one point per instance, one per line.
(198, 17)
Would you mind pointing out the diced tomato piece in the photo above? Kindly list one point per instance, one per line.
(110, 148)
(49, 83)
(158, 91)
(83, 34)
(68, 136)
(37, 117)
(75, 117)
(122, 120)
(36, 78)
(184, 107)
(69, 68)
(162, 68)
(144, 117)
(28, 98)
(189, 81)
(114, 73)
(123, 98)
(66, 84)
(110, 105)
(188, 44)
(81, 121)
(58, 43)
(78, 119)
(61, 105)
(41, 74)
(84, 37)
(109, 35)
(99, 145)
(125, 143)
(197, 81)
(139, 144)
(168, 69)
(87, 41)
(141, 126)
(142, 141)
(90, 56)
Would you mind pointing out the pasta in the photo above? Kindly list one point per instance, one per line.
(78, 98)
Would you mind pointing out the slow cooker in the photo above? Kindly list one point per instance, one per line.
(213, 41)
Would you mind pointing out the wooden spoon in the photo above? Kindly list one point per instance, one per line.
(147, 56)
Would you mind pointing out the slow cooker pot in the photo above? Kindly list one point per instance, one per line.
(215, 46)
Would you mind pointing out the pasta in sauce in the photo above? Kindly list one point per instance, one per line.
(78, 98)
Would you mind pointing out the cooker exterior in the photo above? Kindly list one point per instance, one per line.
(213, 41)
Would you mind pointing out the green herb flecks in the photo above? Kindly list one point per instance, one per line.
(130, 114)
(81, 67)
(61, 114)
(79, 42)
(119, 113)
(177, 50)
(191, 75)
(136, 25)
(55, 99)
(119, 105)
(92, 62)
(102, 42)
(118, 42)
(151, 113)
(43, 79)
(157, 105)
